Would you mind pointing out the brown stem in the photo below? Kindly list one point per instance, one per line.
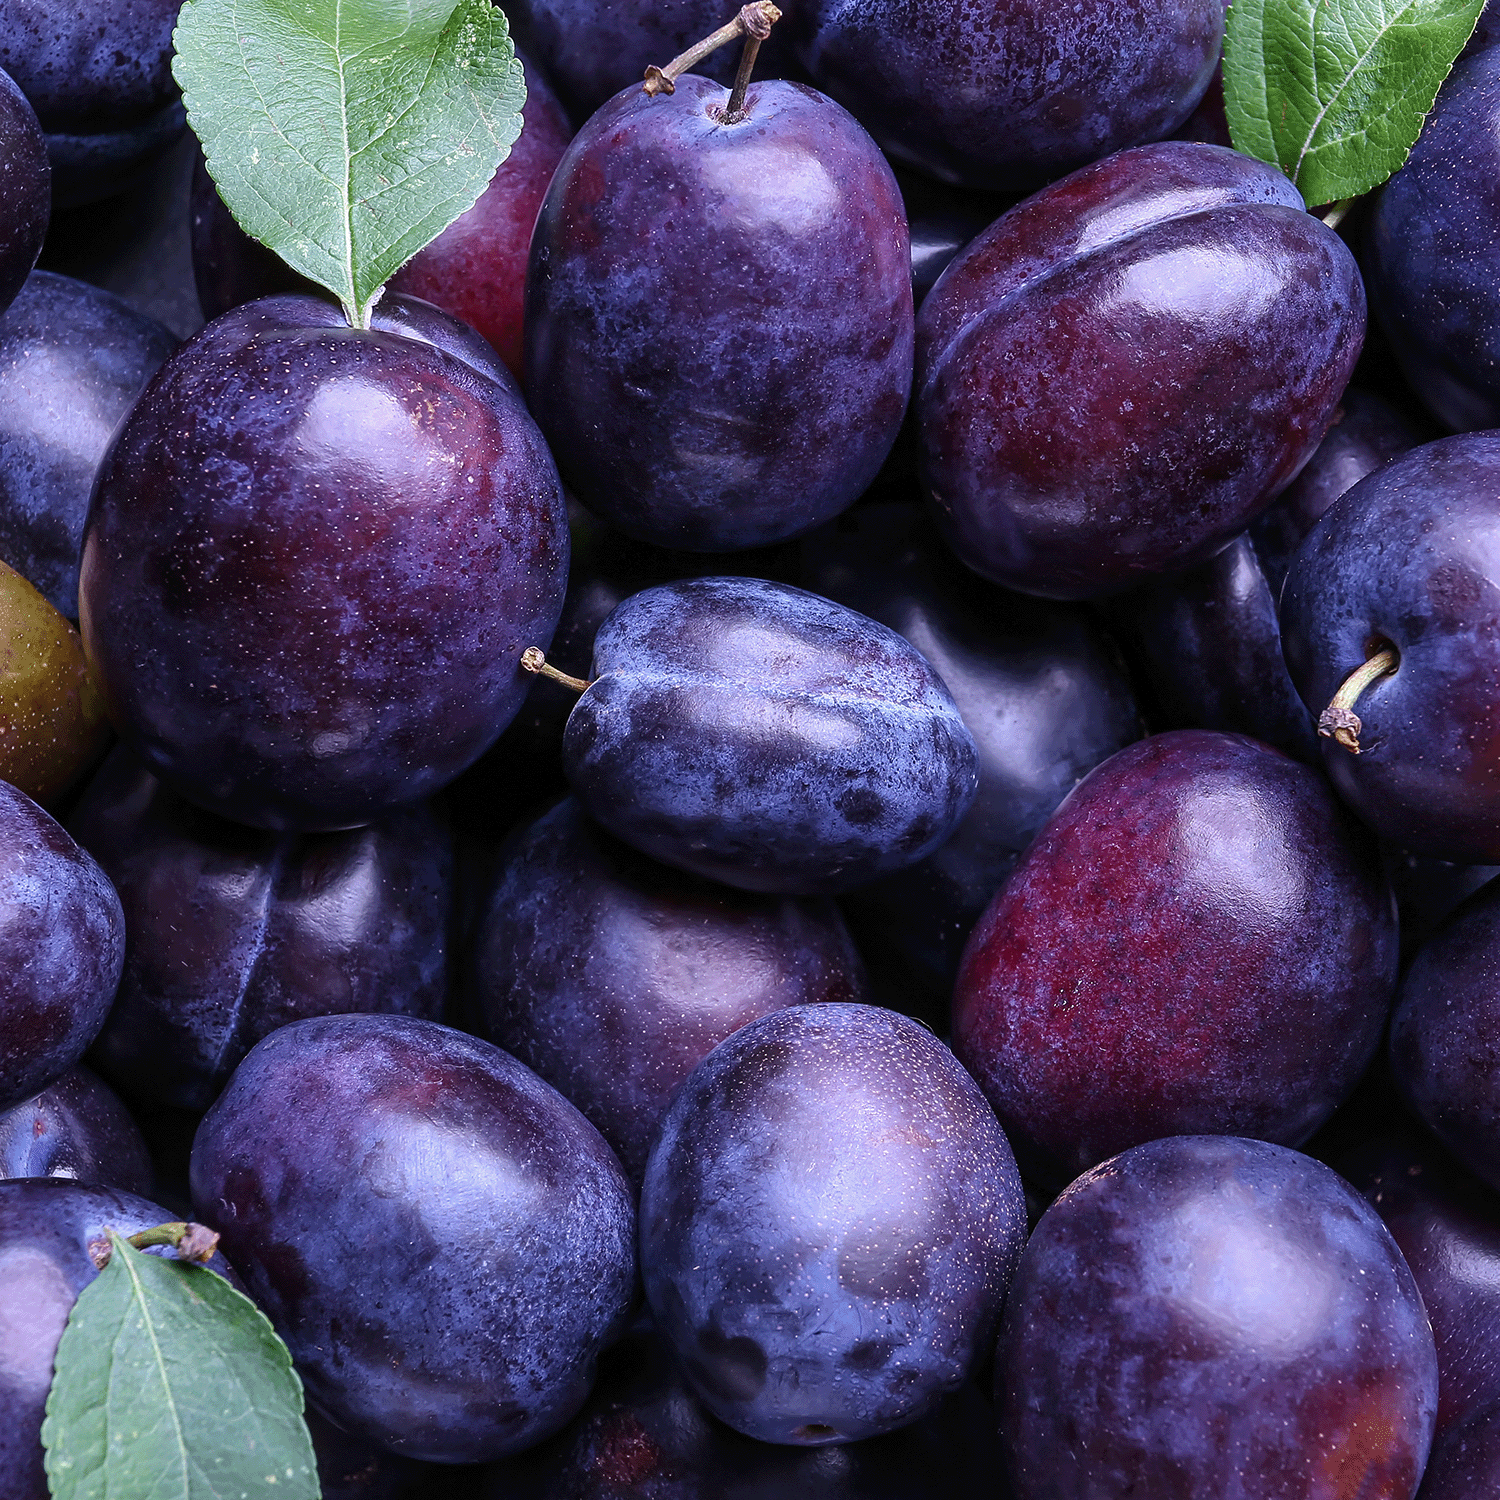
(195, 1242)
(1338, 721)
(534, 659)
(754, 22)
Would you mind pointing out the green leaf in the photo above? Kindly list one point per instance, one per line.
(171, 1385)
(1334, 91)
(348, 134)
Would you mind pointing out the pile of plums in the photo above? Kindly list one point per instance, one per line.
(810, 829)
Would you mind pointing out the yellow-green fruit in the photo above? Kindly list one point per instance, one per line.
(52, 724)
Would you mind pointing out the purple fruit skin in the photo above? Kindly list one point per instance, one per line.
(46, 1227)
(1447, 1226)
(1432, 256)
(1019, 92)
(1445, 1045)
(73, 360)
(25, 189)
(345, 538)
(62, 945)
(1199, 942)
(744, 379)
(232, 932)
(1408, 558)
(1465, 1461)
(612, 976)
(761, 736)
(829, 1221)
(1206, 1316)
(1123, 371)
(443, 1241)
(75, 1128)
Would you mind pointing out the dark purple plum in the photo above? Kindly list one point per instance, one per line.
(25, 189)
(1200, 942)
(1121, 373)
(1039, 686)
(1407, 561)
(233, 931)
(612, 976)
(1206, 1316)
(1209, 640)
(73, 360)
(1427, 891)
(1013, 94)
(62, 944)
(742, 379)
(1445, 1046)
(642, 1434)
(1447, 1225)
(75, 1128)
(351, 1469)
(767, 738)
(100, 80)
(49, 1232)
(443, 1241)
(313, 559)
(829, 1221)
(1433, 251)
(1465, 1461)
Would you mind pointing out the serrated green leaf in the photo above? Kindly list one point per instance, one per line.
(348, 134)
(171, 1385)
(1334, 91)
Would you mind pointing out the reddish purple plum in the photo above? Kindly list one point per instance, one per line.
(1200, 942)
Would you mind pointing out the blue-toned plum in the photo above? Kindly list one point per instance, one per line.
(50, 1232)
(1406, 564)
(73, 360)
(1201, 941)
(1039, 686)
(1207, 1316)
(1122, 372)
(1011, 95)
(313, 559)
(762, 736)
(62, 945)
(829, 1221)
(75, 1128)
(742, 380)
(612, 976)
(233, 931)
(25, 188)
(100, 80)
(443, 1241)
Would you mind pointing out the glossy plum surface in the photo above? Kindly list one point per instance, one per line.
(47, 1229)
(1433, 257)
(765, 737)
(1120, 373)
(743, 380)
(340, 540)
(75, 1128)
(73, 360)
(829, 1221)
(1207, 1316)
(1199, 942)
(1039, 686)
(612, 976)
(62, 943)
(1407, 559)
(643, 1434)
(100, 80)
(1447, 1225)
(25, 188)
(1444, 1051)
(448, 1259)
(232, 932)
(1011, 95)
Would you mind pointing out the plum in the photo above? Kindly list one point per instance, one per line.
(75, 1128)
(25, 188)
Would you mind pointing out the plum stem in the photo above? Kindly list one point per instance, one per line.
(534, 659)
(1338, 721)
(1335, 215)
(754, 23)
